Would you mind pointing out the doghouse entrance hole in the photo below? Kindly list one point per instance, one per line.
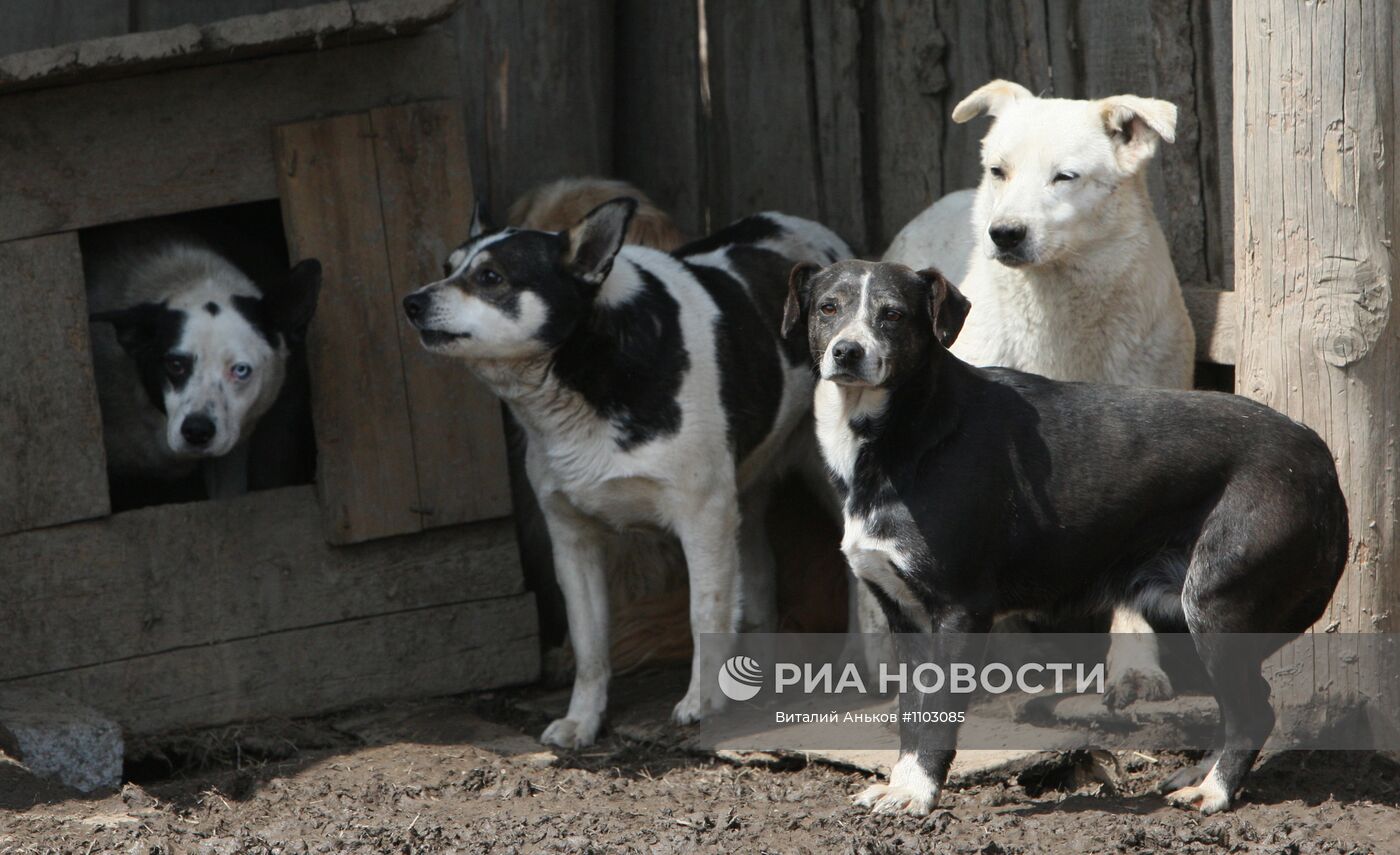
(281, 450)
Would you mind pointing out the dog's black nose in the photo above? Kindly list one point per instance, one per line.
(1007, 236)
(198, 430)
(415, 305)
(847, 352)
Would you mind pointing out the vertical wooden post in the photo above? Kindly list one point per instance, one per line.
(1315, 204)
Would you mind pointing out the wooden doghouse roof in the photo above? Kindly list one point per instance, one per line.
(307, 28)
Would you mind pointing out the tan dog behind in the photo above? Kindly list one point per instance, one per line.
(558, 205)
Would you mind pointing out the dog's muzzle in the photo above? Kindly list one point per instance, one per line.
(851, 364)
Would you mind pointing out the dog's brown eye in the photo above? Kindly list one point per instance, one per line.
(1065, 176)
(892, 315)
(997, 172)
(828, 309)
(487, 276)
(177, 366)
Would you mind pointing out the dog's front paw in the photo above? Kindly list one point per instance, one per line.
(889, 798)
(1137, 683)
(571, 733)
(1209, 797)
(695, 706)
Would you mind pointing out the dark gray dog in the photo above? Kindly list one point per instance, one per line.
(972, 492)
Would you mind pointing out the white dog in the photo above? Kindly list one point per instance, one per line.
(1066, 267)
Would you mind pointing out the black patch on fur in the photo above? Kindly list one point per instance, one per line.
(212, 308)
(254, 311)
(750, 375)
(767, 274)
(628, 360)
(147, 332)
(748, 230)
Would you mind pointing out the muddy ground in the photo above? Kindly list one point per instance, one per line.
(465, 775)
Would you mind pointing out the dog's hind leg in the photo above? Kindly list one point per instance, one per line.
(757, 568)
(1134, 670)
(709, 533)
(578, 564)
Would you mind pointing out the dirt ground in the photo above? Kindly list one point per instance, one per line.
(465, 775)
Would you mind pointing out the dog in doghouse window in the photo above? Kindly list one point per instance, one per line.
(189, 353)
(654, 392)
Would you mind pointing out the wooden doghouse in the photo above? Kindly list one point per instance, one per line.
(397, 573)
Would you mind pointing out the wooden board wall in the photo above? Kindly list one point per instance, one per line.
(406, 440)
(52, 465)
(214, 611)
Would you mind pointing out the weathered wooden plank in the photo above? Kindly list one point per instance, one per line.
(834, 59)
(29, 24)
(365, 466)
(160, 14)
(538, 81)
(215, 144)
(907, 51)
(52, 465)
(164, 578)
(1217, 165)
(423, 652)
(999, 39)
(426, 198)
(659, 144)
(762, 135)
(1215, 316)
(1316, 206)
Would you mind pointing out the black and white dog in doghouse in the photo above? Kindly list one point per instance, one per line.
(972, 492)
(189, 353)
(654, 392)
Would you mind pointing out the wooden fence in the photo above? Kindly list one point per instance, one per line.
(832, 109)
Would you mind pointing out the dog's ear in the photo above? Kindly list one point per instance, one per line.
(138, 327)
(1135, 125)
(291, 305)
(947, 307)
(799, 290)
(989, 99)
(594, 242)
(480, 225)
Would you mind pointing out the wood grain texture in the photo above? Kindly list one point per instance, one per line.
(426, 199)
(365, 464)
(538, 84)
(907, 49)
(1316, 208)
(52, 465)
(80, 156)
(762, 134)
(160, 14)
(29, 24)
(438, 650)
(146, 582)
(659, 142)
(836, 72)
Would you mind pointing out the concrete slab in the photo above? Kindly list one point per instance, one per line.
(60, 739)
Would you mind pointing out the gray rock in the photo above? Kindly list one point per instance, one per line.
(60, 739)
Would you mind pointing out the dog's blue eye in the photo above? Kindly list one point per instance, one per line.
(241, 370)
(997, 172)
(1065, 176)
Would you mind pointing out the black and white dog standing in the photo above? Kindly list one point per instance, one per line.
(189, 353)
(971, 492)
(654, 391)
